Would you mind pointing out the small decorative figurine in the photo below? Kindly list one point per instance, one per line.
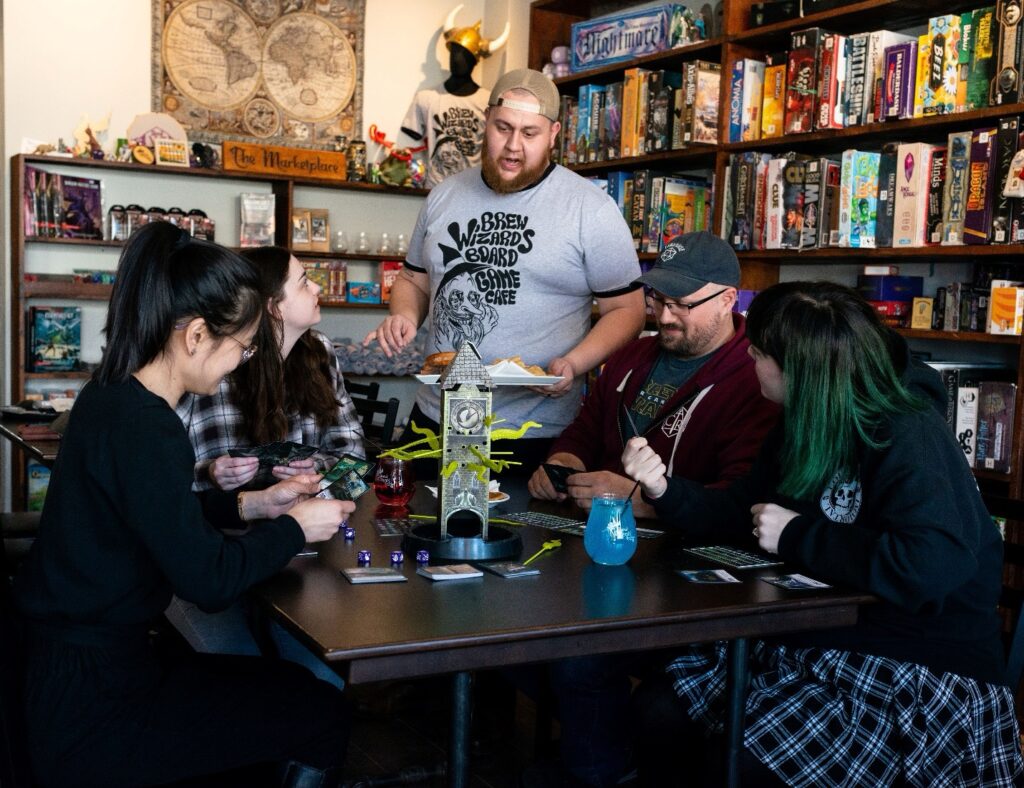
(87, 146)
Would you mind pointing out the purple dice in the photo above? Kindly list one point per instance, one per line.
(350, 533)
(397, 556)
(363, 558)
(422, 557)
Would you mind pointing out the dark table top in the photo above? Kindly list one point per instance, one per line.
(419, 627)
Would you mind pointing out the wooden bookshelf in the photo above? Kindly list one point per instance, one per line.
(23, 292)
(550, 24)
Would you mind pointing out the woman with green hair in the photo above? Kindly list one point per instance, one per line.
(863, 485)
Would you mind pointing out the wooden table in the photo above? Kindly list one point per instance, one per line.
(376, 632)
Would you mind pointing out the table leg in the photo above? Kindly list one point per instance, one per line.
(462, 716)
(736, 692)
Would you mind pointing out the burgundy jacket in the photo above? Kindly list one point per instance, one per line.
(712, 441)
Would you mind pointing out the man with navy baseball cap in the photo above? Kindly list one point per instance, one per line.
(692, 393)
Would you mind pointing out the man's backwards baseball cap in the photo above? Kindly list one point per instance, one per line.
(691, 261)
(533, 82)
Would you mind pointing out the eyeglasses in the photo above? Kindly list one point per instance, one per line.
(248, 351)
(656, 303)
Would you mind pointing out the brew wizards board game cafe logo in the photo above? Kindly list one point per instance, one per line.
(480, 274)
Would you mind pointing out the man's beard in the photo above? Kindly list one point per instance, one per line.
(526, 177)
(695, 343)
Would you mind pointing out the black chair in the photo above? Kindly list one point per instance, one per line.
(15, 770)
(1011, 599)
(379, 433)
(364, 390)
(365, 397)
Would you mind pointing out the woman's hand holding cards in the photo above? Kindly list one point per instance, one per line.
(229, 473)
(294, 468)
(319, 518)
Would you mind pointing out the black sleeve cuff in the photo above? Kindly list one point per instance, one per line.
(621, 291)
(220, 508)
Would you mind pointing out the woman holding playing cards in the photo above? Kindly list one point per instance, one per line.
(122, 530)
(292, 390)
(861, 484)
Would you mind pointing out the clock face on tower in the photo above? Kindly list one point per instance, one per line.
(467, 416)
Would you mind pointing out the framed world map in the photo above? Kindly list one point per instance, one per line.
(283, 72)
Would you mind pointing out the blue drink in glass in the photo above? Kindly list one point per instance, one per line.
(610, 538)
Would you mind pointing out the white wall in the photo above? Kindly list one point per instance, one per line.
(66, 58)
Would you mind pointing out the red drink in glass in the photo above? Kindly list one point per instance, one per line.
(393, 482)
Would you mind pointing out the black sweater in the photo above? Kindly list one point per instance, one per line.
(121, 529)
(916, 534)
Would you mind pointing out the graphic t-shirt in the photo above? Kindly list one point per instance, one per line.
(668, 375)
(516, 274)
(453, 127)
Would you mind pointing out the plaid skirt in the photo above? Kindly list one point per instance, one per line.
(825, 717)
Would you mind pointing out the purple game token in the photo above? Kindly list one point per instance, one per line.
(350, 533)
(422, 557)
(364, 558)
(397, 556)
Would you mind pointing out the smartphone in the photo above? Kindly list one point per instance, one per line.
(559, 475)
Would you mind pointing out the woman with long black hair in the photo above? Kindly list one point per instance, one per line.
(122, 530)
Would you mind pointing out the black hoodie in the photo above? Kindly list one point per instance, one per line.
(915, 533)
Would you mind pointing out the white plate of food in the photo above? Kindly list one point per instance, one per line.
(503, 371)
(496, 497)
(504, 380)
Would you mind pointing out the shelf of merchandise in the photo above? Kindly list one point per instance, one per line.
(197, 172)
(847, 18)
(694, 156)
(550, 26)
(923, 254)
(84, 291)
(705, 50)
(935, 127)
(22, 291)
(959, 336)
(74, 241)
(370, 257)
(68, 374)
(350, 305)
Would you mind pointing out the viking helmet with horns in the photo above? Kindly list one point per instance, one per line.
(470, 38)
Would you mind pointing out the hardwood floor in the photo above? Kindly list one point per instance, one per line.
(400, 729)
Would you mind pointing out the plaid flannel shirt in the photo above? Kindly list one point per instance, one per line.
(212, 423)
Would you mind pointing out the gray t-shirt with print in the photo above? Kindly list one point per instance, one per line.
(453, 128)
(516, 274)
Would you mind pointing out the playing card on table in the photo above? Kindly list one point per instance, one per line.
(795, 582)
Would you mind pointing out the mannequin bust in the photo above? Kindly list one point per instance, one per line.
(450, 116)
(461, 63)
